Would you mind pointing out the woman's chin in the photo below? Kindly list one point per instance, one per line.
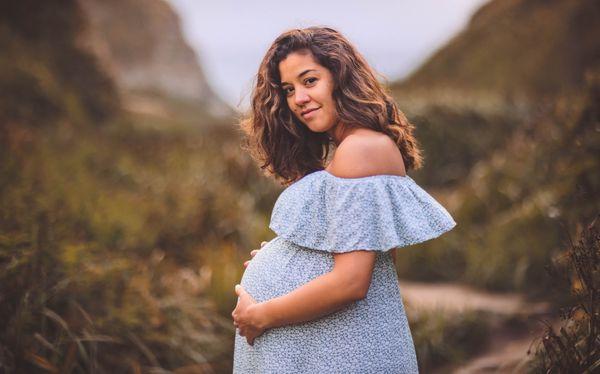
(317, 128)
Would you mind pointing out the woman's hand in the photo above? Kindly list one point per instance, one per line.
(246, 316)
(254, 252)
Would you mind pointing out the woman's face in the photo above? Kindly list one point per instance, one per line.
(308, 88)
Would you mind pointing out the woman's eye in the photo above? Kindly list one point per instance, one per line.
(289, 90)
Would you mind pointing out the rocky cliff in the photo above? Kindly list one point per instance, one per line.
(141, 45)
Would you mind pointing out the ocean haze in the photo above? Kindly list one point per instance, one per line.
(231, 37)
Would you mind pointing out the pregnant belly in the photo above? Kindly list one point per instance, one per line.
(282, 266)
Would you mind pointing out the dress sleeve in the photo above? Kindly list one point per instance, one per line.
(377, 213)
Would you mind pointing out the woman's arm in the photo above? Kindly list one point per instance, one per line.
(359, 155)
(349, 281)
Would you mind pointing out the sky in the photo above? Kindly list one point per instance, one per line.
(230, 37)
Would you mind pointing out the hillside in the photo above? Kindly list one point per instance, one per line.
(505, 68)
(40, 83)
(513, 50)
(508, 121)
(107, 223)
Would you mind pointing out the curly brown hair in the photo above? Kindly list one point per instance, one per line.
(288, 149)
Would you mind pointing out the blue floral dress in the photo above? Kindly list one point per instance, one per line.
(316, 216)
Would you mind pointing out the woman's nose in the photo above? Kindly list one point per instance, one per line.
(302, 97)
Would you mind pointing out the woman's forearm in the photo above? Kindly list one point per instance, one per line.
(321, 296)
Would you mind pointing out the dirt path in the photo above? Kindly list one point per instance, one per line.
(456, 298)
(507, 352)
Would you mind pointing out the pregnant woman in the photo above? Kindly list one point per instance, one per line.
(323, 295)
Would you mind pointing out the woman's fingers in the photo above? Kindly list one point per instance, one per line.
(254, 252)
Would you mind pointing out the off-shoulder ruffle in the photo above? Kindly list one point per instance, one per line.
(380, 212)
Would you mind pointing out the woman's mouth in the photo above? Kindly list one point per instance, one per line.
(310, 114)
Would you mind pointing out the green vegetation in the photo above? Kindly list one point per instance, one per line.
(107, 220)
(443, 338)
(516, 208)
(104, 246)
(575, 348)
(507, 114)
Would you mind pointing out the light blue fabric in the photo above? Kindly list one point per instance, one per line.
(380, 212)
(315, 217)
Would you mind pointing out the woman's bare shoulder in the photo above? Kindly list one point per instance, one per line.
(365, 153)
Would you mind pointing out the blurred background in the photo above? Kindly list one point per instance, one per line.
(127, 207)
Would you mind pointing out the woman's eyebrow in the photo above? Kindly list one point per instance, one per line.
(300, 75)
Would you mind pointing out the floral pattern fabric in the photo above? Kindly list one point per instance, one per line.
(314, 218)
